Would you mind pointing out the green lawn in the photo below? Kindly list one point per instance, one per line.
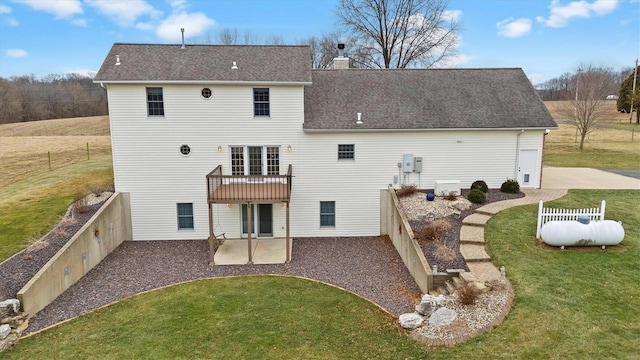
(569, 305)
(29, 208)
(599, 156)
(257, 317)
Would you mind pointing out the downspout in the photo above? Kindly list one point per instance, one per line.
(517, 169)
(544, 140)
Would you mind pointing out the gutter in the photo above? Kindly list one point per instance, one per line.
(320, 131)
(204, 82)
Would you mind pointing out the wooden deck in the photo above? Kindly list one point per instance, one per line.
(254, 192)
(235, 189)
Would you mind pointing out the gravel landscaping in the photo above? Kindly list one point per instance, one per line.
(444, 251)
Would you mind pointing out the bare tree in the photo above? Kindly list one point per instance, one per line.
(228, 36)
(588, 110)
(400, 33)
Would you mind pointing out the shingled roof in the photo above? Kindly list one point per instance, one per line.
(423, 99)
(170, 63)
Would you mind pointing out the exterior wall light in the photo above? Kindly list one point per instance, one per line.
(219, 148)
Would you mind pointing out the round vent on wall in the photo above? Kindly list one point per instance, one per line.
(185, 150)
(206, 93)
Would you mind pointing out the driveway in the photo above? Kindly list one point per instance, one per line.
(585, 178)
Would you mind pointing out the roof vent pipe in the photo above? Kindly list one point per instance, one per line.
(340, 50)
(359, 122)
(234, 66)
(182, 31)
(117, 59)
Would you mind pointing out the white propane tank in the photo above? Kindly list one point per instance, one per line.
(574, 233)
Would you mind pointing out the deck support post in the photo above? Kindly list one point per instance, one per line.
(211, 236)
(249, 229)
(288, 242)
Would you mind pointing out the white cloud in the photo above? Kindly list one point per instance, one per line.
(80, 71)
(195, 24)
(453, 61)
(79, 22)
(514, 28)
(535, 78)
(12, 22)
(178, 5)
(16, 53)
(5, 9)
(62, 9)
(451, 15)
(124, 13)
(560, 15)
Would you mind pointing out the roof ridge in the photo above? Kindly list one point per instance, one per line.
(218, 45)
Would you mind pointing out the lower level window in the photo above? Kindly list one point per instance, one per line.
(185, 216)
(327, 214)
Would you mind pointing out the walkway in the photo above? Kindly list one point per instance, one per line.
(586, 178)
(472, 242)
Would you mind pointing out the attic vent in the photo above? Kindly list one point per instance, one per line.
(117, 59)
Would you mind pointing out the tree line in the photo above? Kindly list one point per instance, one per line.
(563, 87)
(54, 96)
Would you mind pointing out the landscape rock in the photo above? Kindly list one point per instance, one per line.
(442, 316)
(8, 342)
(438, 300)
(425, 308)
(4, 331)
(9, 307)
(410, 320)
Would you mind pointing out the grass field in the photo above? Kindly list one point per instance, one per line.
(32, 198)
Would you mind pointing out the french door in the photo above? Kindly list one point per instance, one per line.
(262, 215)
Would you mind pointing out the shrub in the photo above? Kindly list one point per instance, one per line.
(406, 190)
(477, 196)
(97, 190)
(510, 186)
(468, 293)
(480, 185)
(434, 231)
(453, 195)
(81, 203)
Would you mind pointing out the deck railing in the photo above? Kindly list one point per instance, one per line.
(248, 188)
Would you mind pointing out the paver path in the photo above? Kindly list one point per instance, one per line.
(472, 242)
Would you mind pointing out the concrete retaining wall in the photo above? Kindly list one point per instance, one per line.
(107, 229)
(393, 224)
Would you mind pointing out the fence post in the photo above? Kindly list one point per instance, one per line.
(539, 220)
(49, 157)
(603, 204)
(88, 151)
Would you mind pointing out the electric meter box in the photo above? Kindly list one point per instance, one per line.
(417, 164)
(407, 162)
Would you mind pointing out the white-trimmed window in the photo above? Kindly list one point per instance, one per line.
(327, 214)
(261, 102)
(155, 101)
(255, 160)
(346, 152)
(185, 216)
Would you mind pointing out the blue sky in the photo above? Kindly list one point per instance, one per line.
(544, 37)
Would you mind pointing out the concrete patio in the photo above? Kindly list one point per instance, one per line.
(263, 251)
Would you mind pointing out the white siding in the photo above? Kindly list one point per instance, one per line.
(148, 163)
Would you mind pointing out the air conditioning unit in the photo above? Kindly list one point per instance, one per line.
(446, 187)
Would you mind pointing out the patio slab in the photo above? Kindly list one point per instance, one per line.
(263, 251)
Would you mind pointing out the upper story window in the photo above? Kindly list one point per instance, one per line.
(155, 103)
(346, 152)
(261, 102)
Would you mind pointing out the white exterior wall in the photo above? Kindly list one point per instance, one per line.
(148, 163)
(147, 159)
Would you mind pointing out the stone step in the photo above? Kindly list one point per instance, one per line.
(457, 281)
(484, 271)
(450, 287)
(474, 253)
(472, 234)
(476, 219)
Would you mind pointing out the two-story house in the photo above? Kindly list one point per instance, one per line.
(250, 141)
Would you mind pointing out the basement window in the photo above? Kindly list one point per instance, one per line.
(185, 216)
(327, 214)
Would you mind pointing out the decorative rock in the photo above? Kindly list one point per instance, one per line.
(410, 320)
(442, 316)
(8, 342)
(437, 300)
(4, 331)
(503, 273)
(9, 307)
(426, 308)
